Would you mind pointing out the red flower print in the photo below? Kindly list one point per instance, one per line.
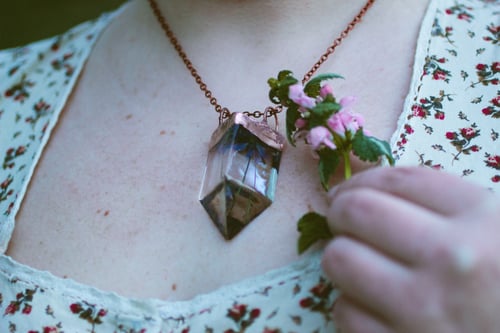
(430, 104)
(439, 75)
(319, 299)
(27, 309)
(12, 308)
(89, 313)
(433, 67)
(306, 302)
(75, 308)
(409, 129)
(439, 115)
(494, 31)
(494, 109)
(462, 140)
(493, 161)
(418, 111)
(50, 329)
(237, 311)
(496, 101)
(242, 317)
(496, 179)
(496, 66)
(255, 313)
(487, 111)
(23, 299)
(468, 132)
(462, 12)
(19, 91)
(487, 74)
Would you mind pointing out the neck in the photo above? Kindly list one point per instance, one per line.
(265, 17)
(245, 12)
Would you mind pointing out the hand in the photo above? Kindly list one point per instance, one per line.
(417, 250)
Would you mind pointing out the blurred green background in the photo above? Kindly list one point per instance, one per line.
(24, 21)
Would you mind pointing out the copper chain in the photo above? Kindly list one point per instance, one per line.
(270, 111)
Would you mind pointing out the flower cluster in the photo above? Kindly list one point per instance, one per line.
(332, 129)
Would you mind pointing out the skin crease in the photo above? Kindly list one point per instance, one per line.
(407, 262)
(124, 165)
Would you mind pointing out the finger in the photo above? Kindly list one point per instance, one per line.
(392, 225)
(435, 190)
(351, 318)
(365, 276)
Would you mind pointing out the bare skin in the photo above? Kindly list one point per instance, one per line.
(115, 196)
(407, 262)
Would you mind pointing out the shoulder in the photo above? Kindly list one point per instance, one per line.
(37, 79)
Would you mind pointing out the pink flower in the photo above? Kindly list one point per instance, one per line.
(326, 90)
(347, 102)
(345, 121)
(300, 123)
(298, 96)
(319, 136)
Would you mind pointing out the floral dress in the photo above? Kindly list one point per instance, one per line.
(450, 121)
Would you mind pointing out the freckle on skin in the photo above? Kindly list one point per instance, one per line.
(106, 213)
(172, 133)
(129, 116)
(163, 132)
(174, 287)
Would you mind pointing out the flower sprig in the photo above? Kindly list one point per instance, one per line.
(332, 129)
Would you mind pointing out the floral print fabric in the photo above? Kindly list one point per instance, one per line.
(451, 121)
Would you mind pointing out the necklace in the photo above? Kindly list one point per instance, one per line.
(244, 154)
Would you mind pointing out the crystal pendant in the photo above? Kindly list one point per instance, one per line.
(241, 172)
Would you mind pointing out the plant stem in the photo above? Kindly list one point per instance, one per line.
(347, 166)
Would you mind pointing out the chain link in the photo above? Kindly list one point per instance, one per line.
(270, 111)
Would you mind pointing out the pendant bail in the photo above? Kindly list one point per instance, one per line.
(241, 172)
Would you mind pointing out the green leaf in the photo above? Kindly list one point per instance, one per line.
(313, 227)
(279, 91)
(322, 111)
(284, 74)
(329, 161)
(369, 148)
(292, 114)
(284, 90)
(313, 87)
